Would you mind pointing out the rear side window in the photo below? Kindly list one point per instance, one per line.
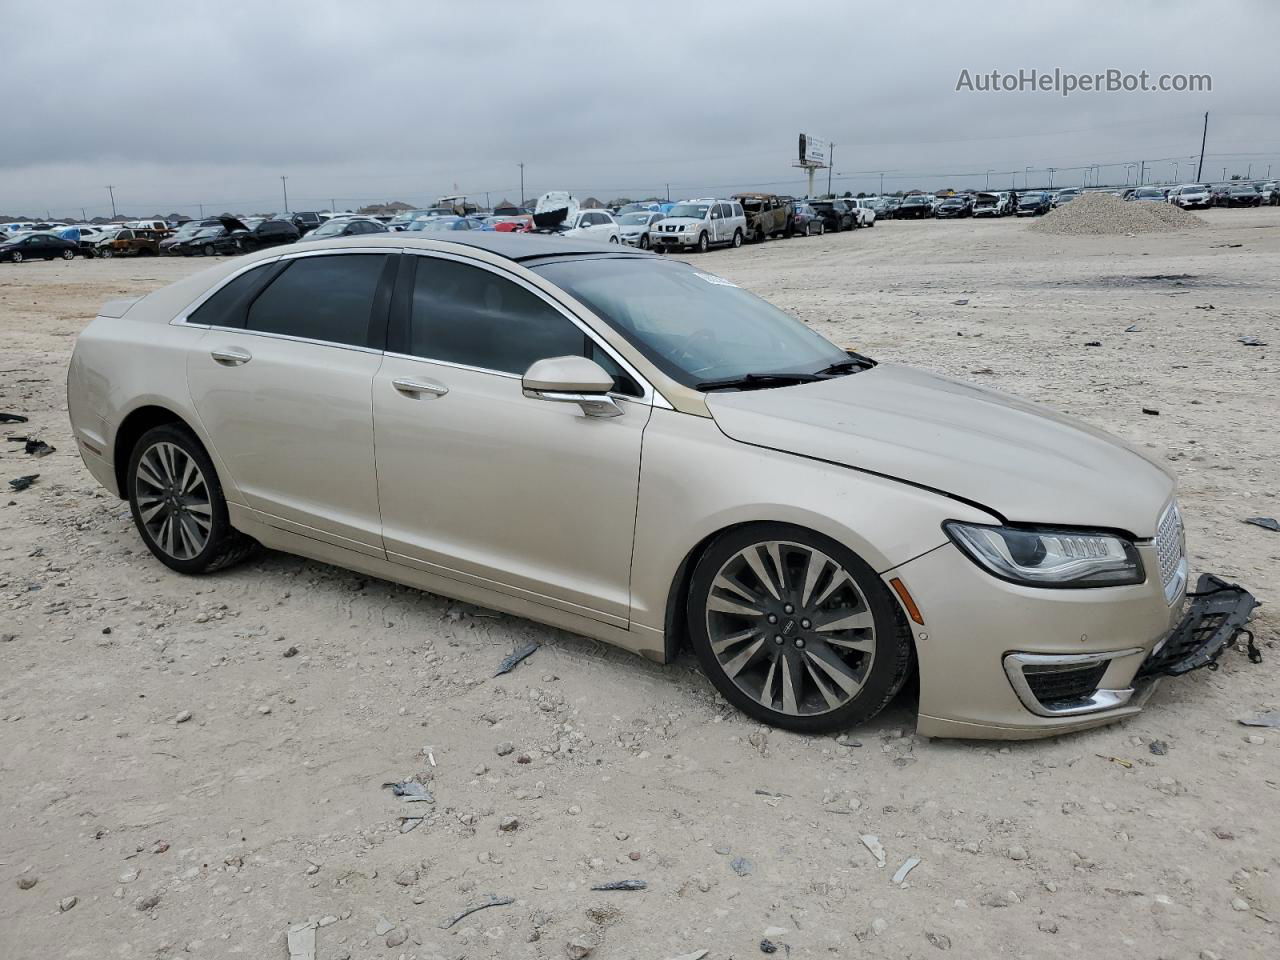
(321, 298)
(225, 307)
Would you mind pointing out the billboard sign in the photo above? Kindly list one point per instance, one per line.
(813, 152)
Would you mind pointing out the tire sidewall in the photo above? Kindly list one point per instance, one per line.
(702, 243)
(181, 437)
(893, 646)
(737, 238)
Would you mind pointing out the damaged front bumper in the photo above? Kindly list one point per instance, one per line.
(1216, 615)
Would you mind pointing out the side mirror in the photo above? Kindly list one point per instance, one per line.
(572, 380)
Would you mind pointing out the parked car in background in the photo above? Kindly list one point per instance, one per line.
(204, 242)
(131, 242)
(39, 246)
(989, 205)
(442, 224)
(768, 215)
(11, 229)
(1270, 193)
(254, 234)
(155, 226)
(597, 225)
(1065, 196)
(1149, 195)
(807, 222)
(305, 221)
(1218, 194)
(955, 207)
(1035, 204)
(170, 244)
(864, 210)
(636, 227)
(344, 227)
(402, 220)
(700, 224)
(914, 206)
(1191, 196)
(836, 214)
(889, 208)
(1242, 195)
(509, 224)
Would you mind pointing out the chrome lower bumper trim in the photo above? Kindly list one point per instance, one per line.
(1015, 665)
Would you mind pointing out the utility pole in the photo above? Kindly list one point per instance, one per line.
(882, 184)
(1249, 173)
(201, 206)
(333, 205)
(1051, 169)
(1142, 173)
(1026, 179)
(988, 180)
(668, 193)
(1224, 173)
(83, 216)
(1203, 137)
(112, 191)
(831, 162)
(521, 166)
(487, 204)
(285, 187)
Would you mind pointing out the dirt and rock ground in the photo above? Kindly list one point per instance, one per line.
(192, 766)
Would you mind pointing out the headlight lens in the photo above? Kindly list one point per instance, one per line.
(690, 227)
(1049, 558)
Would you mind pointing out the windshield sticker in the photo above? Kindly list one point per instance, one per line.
(712, 278)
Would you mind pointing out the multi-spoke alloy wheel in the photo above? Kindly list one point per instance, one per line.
(178, 505)
(796, 630)
(173, 500)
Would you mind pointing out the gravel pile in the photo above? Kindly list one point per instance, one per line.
(1101, 213)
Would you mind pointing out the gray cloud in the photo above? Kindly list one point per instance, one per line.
(212, 103)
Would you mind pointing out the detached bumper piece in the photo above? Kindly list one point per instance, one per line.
(1216, 615)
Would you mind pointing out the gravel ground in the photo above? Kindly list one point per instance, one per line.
(1092, 214)
(191, 766)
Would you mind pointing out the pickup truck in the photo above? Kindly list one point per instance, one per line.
(768, 215)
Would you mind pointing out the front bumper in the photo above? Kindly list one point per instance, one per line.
(680, 239)
(1002, 661)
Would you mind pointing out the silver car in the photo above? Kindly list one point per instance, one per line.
(637, 450)
(636, 227)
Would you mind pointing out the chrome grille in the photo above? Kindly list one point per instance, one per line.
(1170, 552)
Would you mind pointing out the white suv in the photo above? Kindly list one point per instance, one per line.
(592, 225)
(1190, 195)
(700, 224)
(863, 209)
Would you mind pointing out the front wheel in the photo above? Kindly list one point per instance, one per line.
(702, 243)
(208, 250)
(613, 239)
(16, 256)
(808, 230)
(795, 629)
(68, 254)
(737, 238)
(177, 503)
(644, 241)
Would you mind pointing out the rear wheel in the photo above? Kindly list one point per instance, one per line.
(68, 254)
(808, 229)
(737, 238)
(796, 630)
(16, 256)
(177, 503)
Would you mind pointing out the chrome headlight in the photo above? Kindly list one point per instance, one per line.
(690, 227)
(1049, 558)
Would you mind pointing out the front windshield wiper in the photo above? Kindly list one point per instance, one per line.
(757, 381)
(856, 361)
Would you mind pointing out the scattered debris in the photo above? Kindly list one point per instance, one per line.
(1206, 306)
(696, 955)
(767, 945)
(302, 941)
(1247, 341)
(34, 446)
(410, 823)
(27, 882)
(491, 902)
(623, 885)
(21, 483)
(66, 903)
(1269, 719)
(1132, 328)
(291, 652)
(1266, 523)
(959, 303)
(907, 866)
(872, 843)
(411, 790)
(1123, 763)
(12, 418)
(505, 748)
(1151, 411)
(1158, 747)
(772, 794)
(939, 940)
(182, 717)
(982, 370)
(1093, 343)
(742, 866)
(511, 660)
(579, 946)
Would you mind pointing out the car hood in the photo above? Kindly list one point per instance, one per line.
(681, 221)
(232, 224)
(1023, 461)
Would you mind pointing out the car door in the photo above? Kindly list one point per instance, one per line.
(478, 482)
(281, 382)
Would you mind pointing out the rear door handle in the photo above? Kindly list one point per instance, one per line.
(418, 387)
(231, 356)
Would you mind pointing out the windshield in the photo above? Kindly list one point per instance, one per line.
(208, 232)
(634, 218)
(1150, 192)
(916, 199)
(692, 325)
(434, 223)
(330, 228)
(696, 210)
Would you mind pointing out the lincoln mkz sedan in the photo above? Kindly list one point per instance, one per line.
(640, 451)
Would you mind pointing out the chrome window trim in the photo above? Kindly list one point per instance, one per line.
(649, 395)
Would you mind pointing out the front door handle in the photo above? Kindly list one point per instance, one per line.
(231, 356)
(419, 387)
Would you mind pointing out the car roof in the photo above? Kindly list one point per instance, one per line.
(517, 247)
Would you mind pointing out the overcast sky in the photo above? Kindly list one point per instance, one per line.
(182, 104)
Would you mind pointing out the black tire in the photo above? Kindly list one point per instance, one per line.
(808, 229)
(226, 545)
(758, 236)
(207, 250)
(15, 257)
(107, 253)
(68, 254)
(644, 241)
(822, 228)
(702, 242)
(890, 666)
(737, 238)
